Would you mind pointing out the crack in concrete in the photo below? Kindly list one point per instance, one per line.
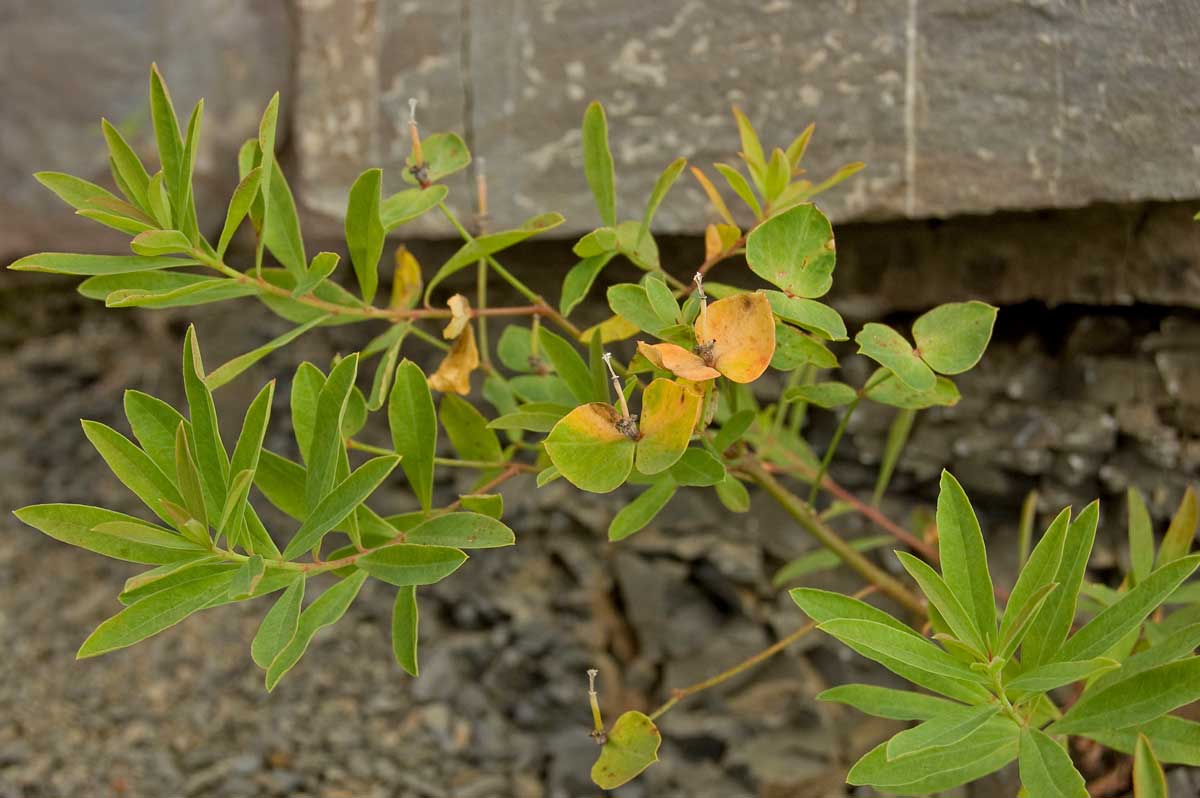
(910, 110)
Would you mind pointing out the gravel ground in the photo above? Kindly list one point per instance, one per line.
(500, 708)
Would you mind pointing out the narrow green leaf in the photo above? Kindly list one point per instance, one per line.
(154, 423)
(167, 134)
(568, 364)
(207, 447)
(1141, 537)
(327, 431)
(187, 476)
(132, 467)
(279, 625)
(823, 560)
(1138, 699)
(112, 534)
(777, 175)
(1050, 627)
(183, 199)
(579, 280)
(385, 370)
(598, 163)
(945, 729)
(886, 702)
(414, 429)
(282, 234)
(340, 502)
(483, 246)
(898, 432)
(1177, 645)
(127, 165)
(153, 614)
(1127, 614)
(329, 607)
(1014, 635)
(659, 192)
(1175, 740)
(1182, 531)
(405, 620)
(662, 302)
(533, 416)
(733, 495)
(963, 555)
(740, 187)
(935, 771)
(364, 230)
(752, 151)
(960, 622)
(1149, 781)
(822, 394)
(235, 505)
(239, 206)
(1038, 572)
(231, 369)
(70, 263)
(74, 191)
(461, 530)
(158, 201)
(1046, 768)
(247, 577)
(159, 242)
(468, 431)
(698, 468)
(1045, 678)
(404, 206)
(641, 511)
(406, 564)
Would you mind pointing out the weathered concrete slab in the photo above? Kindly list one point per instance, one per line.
(65, 64)
(957, 108)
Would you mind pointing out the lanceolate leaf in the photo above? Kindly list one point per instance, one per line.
(279, 625)
(404, 206)
(207, 448)
(1141, 537)
(945, 729)
(340, 502)
(154, 613)
(1149, 781)
(568, 364)
(885, 702)
(468, 431)
(1175, 740)
(642, 510)
(483, 246)
(1045, 678)
(329, 607)
(1046, 768)
(112, 534)
(1182, 531)
(364, 231)
(327, 431)
(133, 467)
(406, 564)
(1050, 627)
(1138, 699)
(963, 556)
(239, 206)
(74, 191)
(987, 750)
(1038, 572)
(230, 370)
(888, 646)
(404, 629)
(70, 263)
(961, 623)
(598, 163)
(1180, 643)
(166, 132)
(461, 531)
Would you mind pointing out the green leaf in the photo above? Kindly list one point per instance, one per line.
(187, 476)
(327, 443)
(112, 534)
(891, 647)
(1178, 644)
(889, 349)
(641, 249)
(156, 612)
(239, 206)
(70, 263)
(247, 577)
(132, 467)
(1149, 781)
(404, 629)
(794, 251)
(339, 503)
(157, 199)
(162, 289)
(1141, 537)
(898, 432)
(533, 416)
(885, 702)
(282, 232)
(659, 192)
(1175, 740)
(364, 230)
(589, 450)
(183, 199)
(569, 365)
(636, 514)
(279, 625)
(1012, 637)
(445, 154)
(404, 206)
(306, 391)
(733, 495)
(630, 747)
(740, 187)
(235, 505)
(945, 729)
(752, 151)
(1045, 678)
(329, 607)
(468, 431)
(154, 423)
(126, 164)
(1138, 699)
(1046, 768)
(598, 163)
(630, 302)
(597, 242)
(959, 620)
(1182, 531)
(1127, 614)
(814, 316)
(484, 246)
(662, 302)
(895, 393)
(951, 338)
(166, 132)
(469, 530)
(777, 175)
(964, 557)
(579, 280)
(488, 504)
(207, 447)
(1050, 627)
(159, 242)
(825, 605)
(822, 394)
(74, 191)
(698, 468)
(231, 369)
(1038, 572)
(990, 748)
(823, 560)
(794, 349)
(733, 429)
(404, 564)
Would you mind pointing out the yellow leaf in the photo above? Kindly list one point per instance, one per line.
(611, 329)
(678, 361)
(454, 374)
(406, 280)
(460, 316)
(668, 417)
(741, 332)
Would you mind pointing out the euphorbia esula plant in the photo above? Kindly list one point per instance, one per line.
(989, 663)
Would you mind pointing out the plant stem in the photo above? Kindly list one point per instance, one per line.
(804, 513)
(744, 665)
(831, 450)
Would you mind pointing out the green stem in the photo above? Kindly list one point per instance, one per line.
(808, 518)
(831, 450)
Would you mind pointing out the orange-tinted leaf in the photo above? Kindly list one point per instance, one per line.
(460, 309)
(588, 449)
(668, 418)
(454, 374)
(742, 329)
(678, 361)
